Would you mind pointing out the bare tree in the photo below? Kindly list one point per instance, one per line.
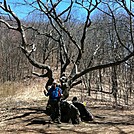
(61, 31)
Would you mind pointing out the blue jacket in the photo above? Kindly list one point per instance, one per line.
(54, 93)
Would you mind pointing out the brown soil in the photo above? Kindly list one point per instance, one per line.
(23, 113)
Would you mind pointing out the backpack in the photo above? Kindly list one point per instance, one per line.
(55, 93)
(59, 93)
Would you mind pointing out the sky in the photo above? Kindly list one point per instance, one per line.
(22, 11)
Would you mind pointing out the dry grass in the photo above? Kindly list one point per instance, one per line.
(7, 89)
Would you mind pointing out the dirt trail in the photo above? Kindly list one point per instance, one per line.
(24, 113)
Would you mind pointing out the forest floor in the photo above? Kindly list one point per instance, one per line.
(22, 112)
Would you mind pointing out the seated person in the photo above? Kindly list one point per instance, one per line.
(69, 113)
(85, 115)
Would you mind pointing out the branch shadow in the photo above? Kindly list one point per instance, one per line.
(111, 123)
(28, 112)
(21, 116)
(115, 124)
(36, 121)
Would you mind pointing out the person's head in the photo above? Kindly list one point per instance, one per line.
(58, 85)
(74, 99)
(54, 83)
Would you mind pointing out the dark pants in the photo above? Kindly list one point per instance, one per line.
(55, 109)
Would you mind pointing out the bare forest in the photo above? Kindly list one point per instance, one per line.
(90, 41)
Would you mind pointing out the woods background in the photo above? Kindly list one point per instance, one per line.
(108, 37)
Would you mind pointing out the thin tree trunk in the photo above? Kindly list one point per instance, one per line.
(114, 83)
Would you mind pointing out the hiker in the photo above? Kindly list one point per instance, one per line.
(54, 94)
(85, 115)
(69, 113)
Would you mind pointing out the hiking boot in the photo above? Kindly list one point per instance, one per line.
(57, 121)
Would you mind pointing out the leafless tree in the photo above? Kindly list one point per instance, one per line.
(59, 21)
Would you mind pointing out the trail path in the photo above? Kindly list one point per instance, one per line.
(24, 113)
